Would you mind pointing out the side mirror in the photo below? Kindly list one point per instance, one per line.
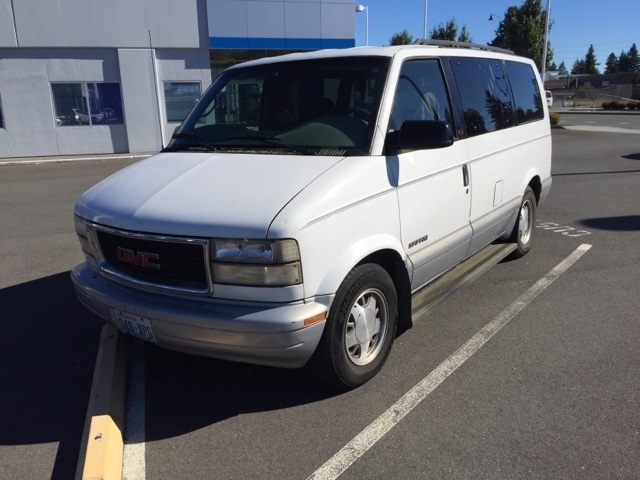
(421, 135)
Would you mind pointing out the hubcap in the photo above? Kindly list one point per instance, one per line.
(525, 223)
(366, 327)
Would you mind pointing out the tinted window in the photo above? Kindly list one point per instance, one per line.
(323, 105)
(105, 103)
(179, 99)
(70, 104)
(526, 93)
(484, 92)
(82, 103)
(421, 94)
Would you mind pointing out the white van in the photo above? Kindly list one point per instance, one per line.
(549, 97)
(307, 197)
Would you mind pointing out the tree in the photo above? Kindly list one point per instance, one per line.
(562, 67)
(465, 36)
(634, 59)
(522, 30)
(578, 67)
(553, 67)
(623, 62)
(449, 31)
(611, 66)
(590, 63)
(401, 38)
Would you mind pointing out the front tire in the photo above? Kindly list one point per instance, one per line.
(360, 328)
(522, 234)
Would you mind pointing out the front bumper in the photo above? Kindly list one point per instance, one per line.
(251, 332)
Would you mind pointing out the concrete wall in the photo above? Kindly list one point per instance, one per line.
(7, 28)
(112, 23)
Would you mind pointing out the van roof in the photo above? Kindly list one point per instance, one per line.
(442, 47)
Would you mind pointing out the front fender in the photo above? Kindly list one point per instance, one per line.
(354, 255)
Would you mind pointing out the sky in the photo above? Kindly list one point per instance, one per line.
(611, 26)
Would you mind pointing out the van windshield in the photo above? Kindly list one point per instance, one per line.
(312, 107)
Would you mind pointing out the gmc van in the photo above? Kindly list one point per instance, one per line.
(307, 197)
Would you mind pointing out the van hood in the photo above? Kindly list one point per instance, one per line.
(201, 194)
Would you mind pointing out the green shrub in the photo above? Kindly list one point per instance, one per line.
(633, 105)
(606, 105)
(554, 118)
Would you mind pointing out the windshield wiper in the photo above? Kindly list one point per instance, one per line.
(197, 142)
(270, 140)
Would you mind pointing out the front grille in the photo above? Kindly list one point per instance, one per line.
(165, 263)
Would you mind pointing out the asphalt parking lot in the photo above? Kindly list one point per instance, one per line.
(552, 394)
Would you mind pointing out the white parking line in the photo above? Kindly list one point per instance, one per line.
(357, 447)
(133, 462)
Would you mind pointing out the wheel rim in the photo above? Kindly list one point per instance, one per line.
(366, 327)
(525, 224)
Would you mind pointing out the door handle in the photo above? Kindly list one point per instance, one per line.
(465, 174)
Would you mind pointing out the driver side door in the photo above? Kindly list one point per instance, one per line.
(433, 185)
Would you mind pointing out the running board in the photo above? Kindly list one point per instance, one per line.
(446, 285)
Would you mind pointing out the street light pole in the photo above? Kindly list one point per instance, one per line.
(367, 31)
(546, 39)
(365, 9)
(425, 20)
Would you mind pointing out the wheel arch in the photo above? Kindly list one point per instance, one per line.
(386, 251)
(536, 185)
(397, 270)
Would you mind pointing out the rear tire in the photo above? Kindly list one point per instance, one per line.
(522, 234)
(360, 329)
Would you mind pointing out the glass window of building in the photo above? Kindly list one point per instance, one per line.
(81, 103)
(179, 99)
(105, 103)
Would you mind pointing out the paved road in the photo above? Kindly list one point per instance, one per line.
(554, 394)
(49, 341)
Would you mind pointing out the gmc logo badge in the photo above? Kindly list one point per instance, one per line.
(139, 259)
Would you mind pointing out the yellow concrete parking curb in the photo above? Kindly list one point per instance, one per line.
(101, 450)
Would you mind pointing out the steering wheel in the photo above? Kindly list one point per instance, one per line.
(360, 113)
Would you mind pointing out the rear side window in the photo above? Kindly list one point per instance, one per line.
(484, 92)
(526, 93)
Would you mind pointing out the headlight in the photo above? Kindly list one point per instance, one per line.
(272, 263)
(82, 230)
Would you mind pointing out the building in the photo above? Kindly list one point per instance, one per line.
(118, 76)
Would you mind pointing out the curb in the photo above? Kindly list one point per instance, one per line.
(102, 444)
(596, 111)
(9, 162)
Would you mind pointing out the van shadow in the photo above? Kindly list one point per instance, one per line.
(48, 349)
(185, 393)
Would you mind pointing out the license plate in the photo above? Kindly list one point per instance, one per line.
(134, 325)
